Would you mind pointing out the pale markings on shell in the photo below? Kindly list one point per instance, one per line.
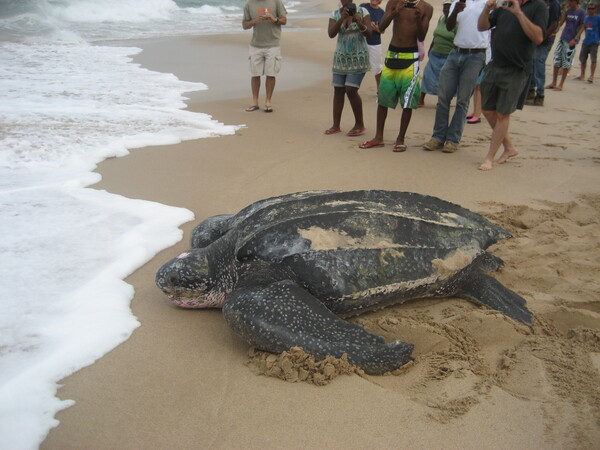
(331, 239)
(454, 261)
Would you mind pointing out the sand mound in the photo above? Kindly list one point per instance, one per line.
(296, 365)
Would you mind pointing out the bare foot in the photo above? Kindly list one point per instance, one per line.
(557, 88)
(578, 78)
(486, 165)
(506, 155)
(550, 86)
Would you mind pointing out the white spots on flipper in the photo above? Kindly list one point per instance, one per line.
(183, 255)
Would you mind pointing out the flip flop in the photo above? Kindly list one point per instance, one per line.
(398, 148)
(356, 132)
(590, 81)
(470, 116)
(474, 120)
(252, 108)
(332, 131)
(268, 108)
(370, 144)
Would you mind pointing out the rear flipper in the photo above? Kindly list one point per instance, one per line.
(482, 289)
(282, 315)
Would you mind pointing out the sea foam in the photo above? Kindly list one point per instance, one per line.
(66, 248)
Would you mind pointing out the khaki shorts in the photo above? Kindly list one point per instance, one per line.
(264, 61)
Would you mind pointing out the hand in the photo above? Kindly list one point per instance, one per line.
(356, 18)
(375, 26)
(490, 4)
(260, 19)
(514, 6)
(460, 6)
(345, 13)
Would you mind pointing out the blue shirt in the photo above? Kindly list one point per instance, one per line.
(592, 30)
(376, 16)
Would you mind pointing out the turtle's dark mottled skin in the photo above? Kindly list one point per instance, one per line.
(285, 269)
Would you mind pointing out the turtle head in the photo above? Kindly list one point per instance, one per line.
(190, 281)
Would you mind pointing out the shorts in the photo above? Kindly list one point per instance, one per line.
(504, 89)
(348, 79)
(563, 55)
(264, 61)
(400, 85)
(588, 49)
(375, 58)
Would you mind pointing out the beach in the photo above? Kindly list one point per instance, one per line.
(479, 380)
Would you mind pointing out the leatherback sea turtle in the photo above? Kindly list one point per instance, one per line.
(285, 269)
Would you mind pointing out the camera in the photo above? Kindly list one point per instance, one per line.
(351, 7)
(502, 3)
(410, 4)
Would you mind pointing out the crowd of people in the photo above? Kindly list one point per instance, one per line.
(492, 50)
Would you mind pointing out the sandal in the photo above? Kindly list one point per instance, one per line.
(474, 119)
(332, 131)
(252, 108)
(398, 148)
(370, 144)
(268, 108)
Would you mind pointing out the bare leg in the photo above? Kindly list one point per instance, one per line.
(582, 73)
(270, 85)
(404, 122)
(339, 94)
(255, 84)
(499, 123)
(476, 102)
(357, 109)
(422, 99)
(377, 79)
(378, 139)
(565, 72)
(554, 78)
(592, 71)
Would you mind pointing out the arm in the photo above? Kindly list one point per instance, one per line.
(276, 20)
(451, 21)
(552, 28)
(575, 40)
(533, 32)
(423, 17)
(334, 25)
(390, 14)
(247, 24)
(483, 23)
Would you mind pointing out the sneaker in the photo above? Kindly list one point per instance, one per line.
(449, 147)
(538, 100)
(432, 145)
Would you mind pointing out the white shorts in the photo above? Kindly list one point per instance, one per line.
(264, 61)
(375, 58)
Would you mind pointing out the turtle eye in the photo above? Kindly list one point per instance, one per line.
(173, 279)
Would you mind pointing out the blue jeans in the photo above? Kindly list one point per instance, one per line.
(458, 76)
(538, 80)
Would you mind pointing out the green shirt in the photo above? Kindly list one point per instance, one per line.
(264, 34)
(443, 40)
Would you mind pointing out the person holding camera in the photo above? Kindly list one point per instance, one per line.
(351, 25)
(459, 75)
(265, 17)
(401, 72)
(520, 26)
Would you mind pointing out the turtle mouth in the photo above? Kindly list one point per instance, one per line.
(202, 302)
(188, 303)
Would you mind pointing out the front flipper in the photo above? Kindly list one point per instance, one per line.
(482, 289)
(282, 315)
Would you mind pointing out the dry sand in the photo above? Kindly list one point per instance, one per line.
(479, 380)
